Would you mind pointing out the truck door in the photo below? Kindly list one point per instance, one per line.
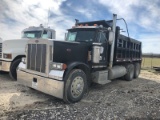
(103, 40)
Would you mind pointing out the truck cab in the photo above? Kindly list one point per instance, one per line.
(95, 37)
(38, 32)
(12, 51)
(93, 51)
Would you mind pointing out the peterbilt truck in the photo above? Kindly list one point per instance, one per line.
(93, 52)
(12, 51)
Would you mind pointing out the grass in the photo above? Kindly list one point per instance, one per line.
(148, 62)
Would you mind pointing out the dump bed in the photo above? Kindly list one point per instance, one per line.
(127, 49)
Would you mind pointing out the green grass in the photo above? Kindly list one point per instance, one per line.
(150, 62)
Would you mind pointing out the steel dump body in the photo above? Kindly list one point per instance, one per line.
(126, 49)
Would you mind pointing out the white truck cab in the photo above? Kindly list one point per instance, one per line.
(12, 51)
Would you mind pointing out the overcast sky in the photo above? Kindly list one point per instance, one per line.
(142, 17)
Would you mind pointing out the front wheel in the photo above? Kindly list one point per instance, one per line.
(13, 69)
(75, 86)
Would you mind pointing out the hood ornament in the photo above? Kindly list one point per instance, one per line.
(36, 41)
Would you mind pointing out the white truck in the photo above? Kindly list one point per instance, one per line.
(12, 51)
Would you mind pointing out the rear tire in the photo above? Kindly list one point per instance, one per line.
(130, 72)
(75, 86)
(137, 69)
(13, 69)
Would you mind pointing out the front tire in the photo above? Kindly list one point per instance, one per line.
(75, 86)
(130, 72)
(13, 69)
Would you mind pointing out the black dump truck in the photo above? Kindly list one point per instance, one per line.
(93, 52)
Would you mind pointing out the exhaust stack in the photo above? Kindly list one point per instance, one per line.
(113, 40)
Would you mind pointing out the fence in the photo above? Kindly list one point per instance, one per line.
(150, 62)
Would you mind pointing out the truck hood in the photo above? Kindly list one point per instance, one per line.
(0, 40)
(15, 44)
(15, 47)
(16, 40)
(66, 52)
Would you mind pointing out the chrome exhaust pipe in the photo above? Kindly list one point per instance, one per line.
(113, 41)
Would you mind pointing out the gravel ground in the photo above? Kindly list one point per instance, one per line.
(137, 99)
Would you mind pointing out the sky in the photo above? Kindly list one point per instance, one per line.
(142, 17)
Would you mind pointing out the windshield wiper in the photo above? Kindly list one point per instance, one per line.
(27, 37)
(84, 41)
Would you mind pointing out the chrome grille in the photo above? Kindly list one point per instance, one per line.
(36, 57)
(0, 50)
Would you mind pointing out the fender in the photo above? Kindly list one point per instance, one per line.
(15, 47)
(79, 65)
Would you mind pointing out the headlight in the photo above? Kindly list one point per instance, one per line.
(24, 60)
(7, 55)
(59, 66)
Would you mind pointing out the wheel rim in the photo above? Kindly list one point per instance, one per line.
(77, 86)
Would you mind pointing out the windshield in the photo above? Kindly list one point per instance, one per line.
(32, 34)
(81, 36)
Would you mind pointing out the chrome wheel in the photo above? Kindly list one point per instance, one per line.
(77, 86)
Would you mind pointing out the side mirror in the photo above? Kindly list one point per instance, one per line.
(65, 37)
(53, 34)
(111, 34)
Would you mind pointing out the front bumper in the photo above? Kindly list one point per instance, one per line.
(5, 66)
(47, 85)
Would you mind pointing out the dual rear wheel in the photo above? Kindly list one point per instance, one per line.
(133, 71)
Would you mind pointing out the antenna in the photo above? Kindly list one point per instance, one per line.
(48, 16)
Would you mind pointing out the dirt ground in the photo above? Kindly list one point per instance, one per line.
(137, 99)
